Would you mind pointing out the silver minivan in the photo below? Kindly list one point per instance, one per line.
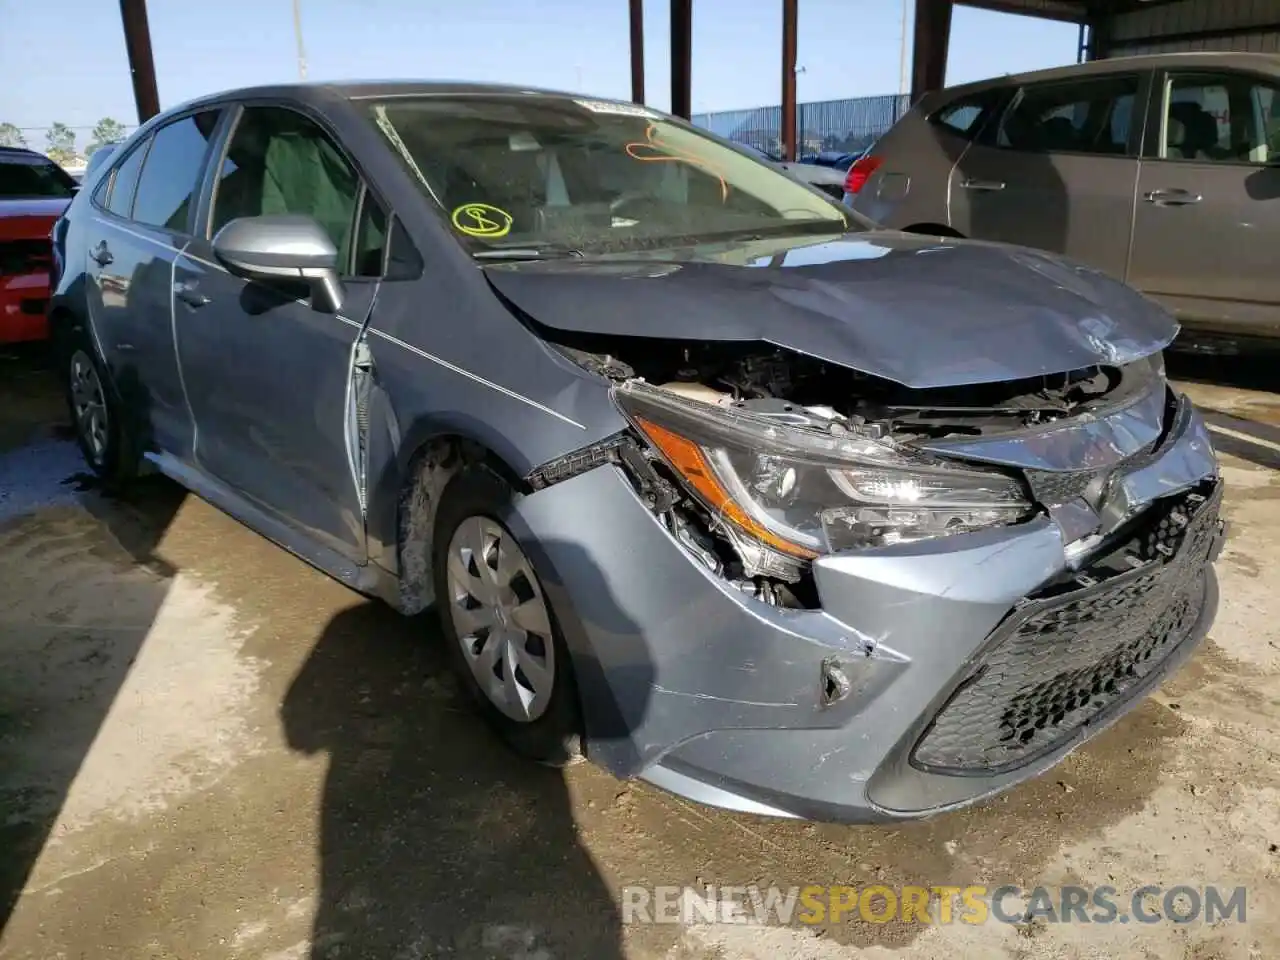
(1163, 171)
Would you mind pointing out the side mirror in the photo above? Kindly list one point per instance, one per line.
(283, 246)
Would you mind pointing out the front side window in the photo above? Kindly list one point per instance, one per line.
(124, 184)
(371, 239)
(279, 161)
(1229, 118)
(540, 171)
(170, 177)
(1081, 116)
(25, 176)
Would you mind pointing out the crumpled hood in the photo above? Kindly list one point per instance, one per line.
(917, 310)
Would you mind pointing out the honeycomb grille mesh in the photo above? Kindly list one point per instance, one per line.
(1056, 488)
(1063, 658)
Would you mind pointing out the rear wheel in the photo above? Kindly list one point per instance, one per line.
(97, 415)
(503, 641)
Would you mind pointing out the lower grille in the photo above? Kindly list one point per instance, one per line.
(1069, 654)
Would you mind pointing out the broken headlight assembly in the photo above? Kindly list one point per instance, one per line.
(803, 491)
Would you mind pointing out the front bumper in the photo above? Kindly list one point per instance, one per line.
(841, 713)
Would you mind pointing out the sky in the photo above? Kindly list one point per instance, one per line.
(64, 60)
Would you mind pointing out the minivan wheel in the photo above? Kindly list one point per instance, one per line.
(502, 637)
(96, 413)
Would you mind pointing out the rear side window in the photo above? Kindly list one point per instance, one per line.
(967, 116)
(125, 182)
(1080, 116)
(170, 177)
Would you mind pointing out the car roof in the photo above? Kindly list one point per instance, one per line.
(1267, 62)
(24, 152)
(378, 89)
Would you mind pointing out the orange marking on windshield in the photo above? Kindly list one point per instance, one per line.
(653, 146)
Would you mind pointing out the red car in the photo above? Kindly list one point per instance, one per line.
(33, 193)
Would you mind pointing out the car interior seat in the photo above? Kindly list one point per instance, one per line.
(1192, 132)
(304, 173)
(1057, 133)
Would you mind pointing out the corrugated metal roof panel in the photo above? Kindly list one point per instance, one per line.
(1192, 16)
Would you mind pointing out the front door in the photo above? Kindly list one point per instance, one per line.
(1057, 172)
(267, 372)
(1204, 240)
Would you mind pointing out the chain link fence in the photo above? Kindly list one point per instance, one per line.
(826, 126)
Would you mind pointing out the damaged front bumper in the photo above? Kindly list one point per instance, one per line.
(933, 673)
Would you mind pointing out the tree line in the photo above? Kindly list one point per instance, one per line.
(60, 139)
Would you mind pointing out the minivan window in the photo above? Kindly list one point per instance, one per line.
(967, 116)
(1082, 116)
(125, 182)
(593, 176)
(279, 161)
(170, 177)
(1230, 118)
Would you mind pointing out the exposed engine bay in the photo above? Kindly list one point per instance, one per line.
(757, 515)
(772, 381)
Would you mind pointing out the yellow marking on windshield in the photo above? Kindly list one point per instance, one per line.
(654, 148)
(482, 220)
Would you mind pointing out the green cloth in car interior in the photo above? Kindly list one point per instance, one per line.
(306, 174)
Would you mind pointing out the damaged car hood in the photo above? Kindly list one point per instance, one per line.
(921, 311)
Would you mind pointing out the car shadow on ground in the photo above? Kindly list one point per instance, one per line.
(80, 586)
(434, 838)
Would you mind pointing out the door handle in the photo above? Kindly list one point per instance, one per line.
(971, 184)
(189, 294)
(1171, 198)
(101, 254)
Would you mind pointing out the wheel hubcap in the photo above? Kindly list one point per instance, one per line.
(501, 619)
(89, 405)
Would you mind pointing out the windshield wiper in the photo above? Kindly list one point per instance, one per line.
(529, 253)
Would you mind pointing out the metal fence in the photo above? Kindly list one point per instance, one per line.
(842, 126)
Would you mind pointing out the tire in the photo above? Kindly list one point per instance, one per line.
(98, 415)
(483, 634)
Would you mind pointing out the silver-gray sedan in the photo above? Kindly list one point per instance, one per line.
(708, 480)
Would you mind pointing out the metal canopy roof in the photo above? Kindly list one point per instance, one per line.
(1076, 11)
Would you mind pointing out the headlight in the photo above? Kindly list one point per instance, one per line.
(803, 492)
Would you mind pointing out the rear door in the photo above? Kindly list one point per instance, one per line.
(1058, 171)
(268, 374)
(142, 217)
(1208, 217)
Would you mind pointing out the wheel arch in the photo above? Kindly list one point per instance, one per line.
(403, 503)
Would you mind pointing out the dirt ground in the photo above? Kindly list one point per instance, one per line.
(209, 750)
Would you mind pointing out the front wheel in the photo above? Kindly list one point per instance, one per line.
(97, 415)
(503, 641)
